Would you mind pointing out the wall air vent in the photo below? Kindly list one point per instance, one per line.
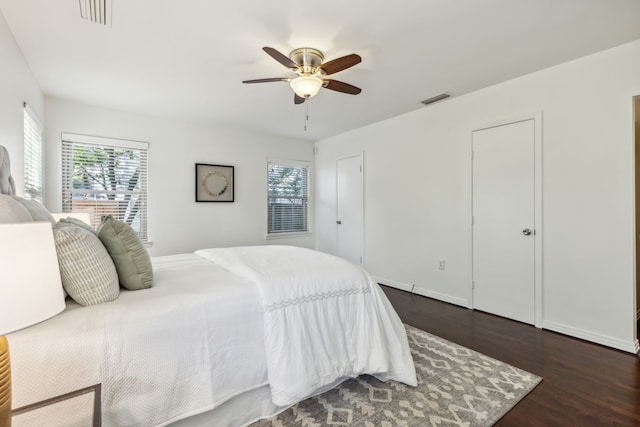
(96, 11)
(435, 98)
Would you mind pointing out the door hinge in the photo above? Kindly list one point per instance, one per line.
(360, 168)
(473, 284)
(473, 220)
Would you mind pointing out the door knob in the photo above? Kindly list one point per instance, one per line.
(338, 222)
(527, 232)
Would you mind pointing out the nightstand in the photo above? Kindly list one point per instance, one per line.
(97, 403)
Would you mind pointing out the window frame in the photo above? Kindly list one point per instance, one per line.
(68, 140)
(33, 155)
(308, 199)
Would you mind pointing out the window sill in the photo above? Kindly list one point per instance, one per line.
(287, 235)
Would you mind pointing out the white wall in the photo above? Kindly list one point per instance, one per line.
(177, 223)
(17, 85)
(417, 192)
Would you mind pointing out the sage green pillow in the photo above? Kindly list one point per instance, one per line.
(132, 260)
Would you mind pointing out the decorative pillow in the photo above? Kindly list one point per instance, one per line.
(79, 223)
(129, 255)
(12, 211)
(87, 271)
(36, 209)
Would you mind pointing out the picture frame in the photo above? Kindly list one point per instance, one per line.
(214, 183)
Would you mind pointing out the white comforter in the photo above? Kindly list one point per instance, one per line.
(203, 335)
(324, 319)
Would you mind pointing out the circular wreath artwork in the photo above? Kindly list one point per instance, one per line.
(215, 183)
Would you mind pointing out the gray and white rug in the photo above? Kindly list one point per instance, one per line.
(456, 387)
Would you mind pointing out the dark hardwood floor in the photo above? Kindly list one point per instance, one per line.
(583, 384)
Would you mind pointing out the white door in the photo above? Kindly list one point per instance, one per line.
(350, 208)
(504, 220)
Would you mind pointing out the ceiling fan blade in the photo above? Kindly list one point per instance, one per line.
(298, 99)
(341, 63)
(274, 79)
(281, 58)
(342, 87)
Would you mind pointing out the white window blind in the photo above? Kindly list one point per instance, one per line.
(32, 155)
(104, 176)
(288, 194)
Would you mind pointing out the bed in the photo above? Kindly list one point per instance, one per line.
(225, 336)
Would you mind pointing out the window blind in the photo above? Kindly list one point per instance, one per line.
(288, 195)
(104, 176)
(32, 155)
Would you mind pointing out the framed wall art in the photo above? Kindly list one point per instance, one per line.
(214, 183)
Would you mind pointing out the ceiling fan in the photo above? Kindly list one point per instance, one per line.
(307, 63)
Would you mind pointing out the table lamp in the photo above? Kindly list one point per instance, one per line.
(30, 290)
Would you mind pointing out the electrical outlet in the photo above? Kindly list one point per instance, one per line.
(441, 264)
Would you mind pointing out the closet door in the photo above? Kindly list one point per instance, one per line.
(350, 209)
(504, 221)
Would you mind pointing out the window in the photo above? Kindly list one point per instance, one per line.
(288, 195)
(32, 155)
(105, 176)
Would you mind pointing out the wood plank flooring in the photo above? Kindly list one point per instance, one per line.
(583, 384)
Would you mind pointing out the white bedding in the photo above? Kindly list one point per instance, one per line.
(203, 335)
(186, 345)
(324, 319)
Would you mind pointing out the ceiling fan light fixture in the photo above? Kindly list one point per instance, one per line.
(306, 86)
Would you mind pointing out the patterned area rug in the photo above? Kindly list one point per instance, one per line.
(456, 387)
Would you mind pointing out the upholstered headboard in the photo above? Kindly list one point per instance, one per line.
(14, 208)
(7, 184)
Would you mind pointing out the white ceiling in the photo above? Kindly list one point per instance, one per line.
(186, 58)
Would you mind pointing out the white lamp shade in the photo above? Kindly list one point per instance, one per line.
(306, 86)
(30, 285)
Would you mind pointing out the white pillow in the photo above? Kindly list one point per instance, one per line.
(12, 211)
(36, 209)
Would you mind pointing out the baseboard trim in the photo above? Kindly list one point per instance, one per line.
(628, 346)
(421, 291)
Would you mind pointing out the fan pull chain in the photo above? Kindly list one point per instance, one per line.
(306, 113)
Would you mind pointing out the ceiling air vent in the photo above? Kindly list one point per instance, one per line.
(96, 11)
(435, 98)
